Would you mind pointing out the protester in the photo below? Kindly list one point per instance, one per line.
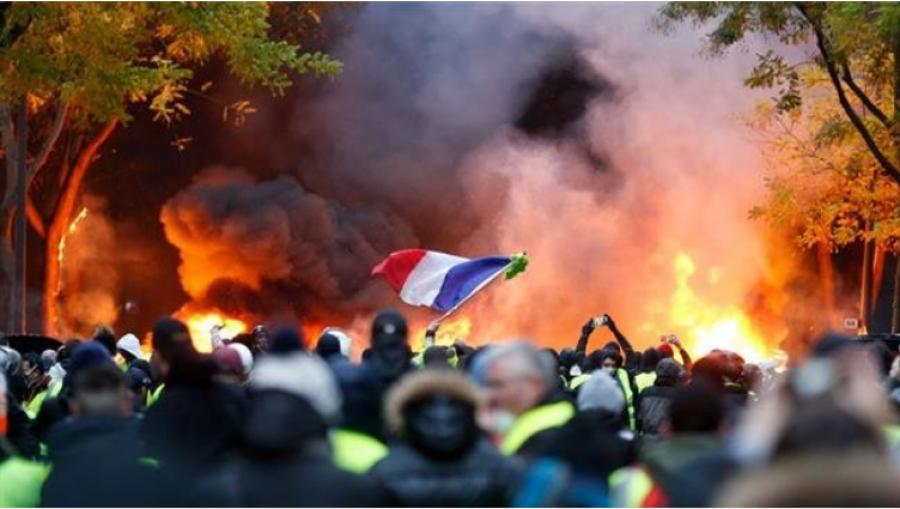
(654, 401)
(695, 426)
(610, 359)
(358, 440)
(597, 441)
(443, 458)
(95, 454)
(20, 479)
(196, 423)
(286, 460)
(38, 381)
(129, 347)
(524, 404)
(391, 356)
(504, 424)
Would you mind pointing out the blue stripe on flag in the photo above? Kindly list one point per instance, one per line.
(463, 279)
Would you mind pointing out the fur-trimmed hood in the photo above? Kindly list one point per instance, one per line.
(421, 384)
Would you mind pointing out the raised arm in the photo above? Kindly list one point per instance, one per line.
(685, 358)
(620, 338)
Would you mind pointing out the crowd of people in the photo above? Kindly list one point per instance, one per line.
(276, 419)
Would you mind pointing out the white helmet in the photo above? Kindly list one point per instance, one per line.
(245, 354)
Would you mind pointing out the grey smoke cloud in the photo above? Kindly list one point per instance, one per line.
(416, 145)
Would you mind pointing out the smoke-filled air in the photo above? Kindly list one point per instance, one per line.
(610, 153)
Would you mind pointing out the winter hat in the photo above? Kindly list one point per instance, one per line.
(106, 337)
(229, 360)
(88, 355)
(388, 325)
(286, 340)
(667, 372)
(246, 356)
(601, 391)
(130, 344)
(168, 335)
(650, 359)
(49, 357)
(328, 346)
(665, 350)
(436, 354)
(302, 375)
(342, 336)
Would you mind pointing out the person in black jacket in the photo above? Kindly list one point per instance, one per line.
(596, 442)
(95, 453)
(654, 401)
(286, 459)
(443, 458)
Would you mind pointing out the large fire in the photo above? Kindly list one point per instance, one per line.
(705, 326)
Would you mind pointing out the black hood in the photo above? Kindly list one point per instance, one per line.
(281, 425)
(441, 427)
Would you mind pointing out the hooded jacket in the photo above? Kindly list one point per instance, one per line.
(287, 462)
(95, 464)
(196, 423)
(442, 460)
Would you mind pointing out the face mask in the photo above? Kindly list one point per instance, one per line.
(609, 370)
(575, 371)
(441, 426)
(501, 422)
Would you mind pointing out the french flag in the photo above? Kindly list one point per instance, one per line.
(438, 280)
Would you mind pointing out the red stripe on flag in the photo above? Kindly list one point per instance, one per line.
(396, 268)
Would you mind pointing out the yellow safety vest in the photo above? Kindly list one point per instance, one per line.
(154, 395)
(356, 452)
(578, 381)
(622, 376)
(534, 421)
(33, 407)
(20, 482)
(892, 434)
(644, 380)
(629, 486)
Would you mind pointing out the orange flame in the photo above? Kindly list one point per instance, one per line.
(73, 227)
(450, 330)
(200, 326)
(706, 326)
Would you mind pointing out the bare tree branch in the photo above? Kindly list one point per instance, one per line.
(857, 122)
(51, 140)
(7, 132)
(868, 103)
(35, 218)
(73, 183)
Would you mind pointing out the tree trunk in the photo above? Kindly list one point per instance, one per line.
(865, 284)
(58, 226)
(826, 279)
(895, 308)
(8, 266)
(877, 276)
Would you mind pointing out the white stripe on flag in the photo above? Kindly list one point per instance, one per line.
(424, 282)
